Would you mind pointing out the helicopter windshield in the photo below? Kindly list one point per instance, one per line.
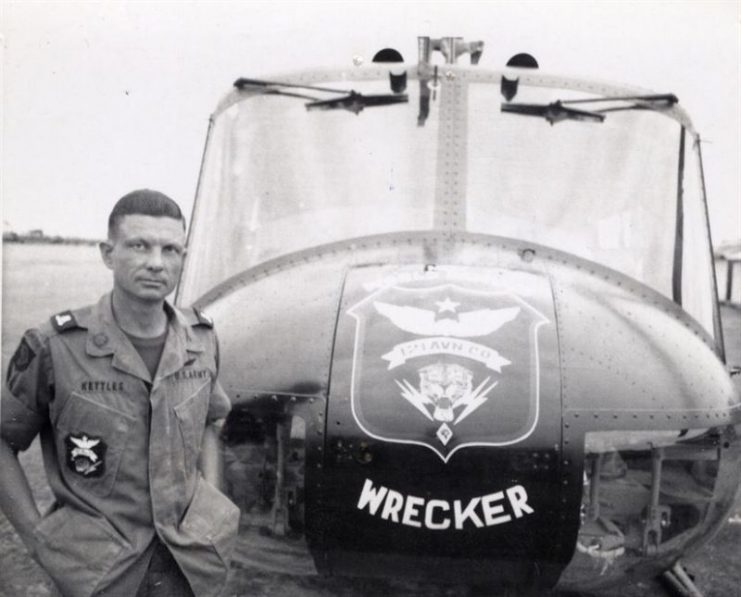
(280, 177)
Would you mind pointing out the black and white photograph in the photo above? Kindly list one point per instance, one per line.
(353, 299)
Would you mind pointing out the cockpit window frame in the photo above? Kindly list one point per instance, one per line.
(451, 216)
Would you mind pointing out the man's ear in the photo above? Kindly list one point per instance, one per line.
(106, 248)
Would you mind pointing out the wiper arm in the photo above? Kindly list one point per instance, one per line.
(558, 111)
(350, 99)
(666, 98)
(553, 113)
(244, 83)
(356, 102)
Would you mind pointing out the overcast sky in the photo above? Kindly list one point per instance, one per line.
(102, 98)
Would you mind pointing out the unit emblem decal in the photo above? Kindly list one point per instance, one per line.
(85, 454)
(446, 367)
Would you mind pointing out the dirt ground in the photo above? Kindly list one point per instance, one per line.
(717, 568)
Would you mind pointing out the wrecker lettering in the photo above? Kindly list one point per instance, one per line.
(461, 516)
(491, 511)
(518, 498)
(438, 515)
(411, 511)
(430, 523)
(394, 502)
(371, 497)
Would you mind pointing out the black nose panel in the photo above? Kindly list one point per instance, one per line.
(444, 455)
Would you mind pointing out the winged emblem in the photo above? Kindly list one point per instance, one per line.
(423, 322)
(84, 447)
(427, 368)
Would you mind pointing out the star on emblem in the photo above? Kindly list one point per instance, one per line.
(446, 305)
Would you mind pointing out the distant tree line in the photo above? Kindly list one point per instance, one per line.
(38, 237)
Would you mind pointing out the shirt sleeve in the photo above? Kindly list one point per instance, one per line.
(28, 391)
(219, 403)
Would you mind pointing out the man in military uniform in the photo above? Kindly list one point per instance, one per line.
(125, 397)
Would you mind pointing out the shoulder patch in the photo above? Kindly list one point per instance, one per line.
(22, 358)
(64, 321)
(203, 319)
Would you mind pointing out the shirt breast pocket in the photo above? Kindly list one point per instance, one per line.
(91, 439)
(191, 414)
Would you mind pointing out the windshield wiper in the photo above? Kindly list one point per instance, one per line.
(350, 99)
(555, 112)
(669, 99)
(356, 102)
(558, 111)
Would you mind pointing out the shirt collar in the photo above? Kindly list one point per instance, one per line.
(106, 338)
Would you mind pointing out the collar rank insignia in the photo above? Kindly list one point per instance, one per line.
(64, 321)
(85, 454)
(446, 367)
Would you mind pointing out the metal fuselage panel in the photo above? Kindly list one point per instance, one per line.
(443, 426)
(598, 312)
(429, 442)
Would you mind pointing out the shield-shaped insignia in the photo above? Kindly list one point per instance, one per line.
(446, 367)
(85, 454)
(22, 358)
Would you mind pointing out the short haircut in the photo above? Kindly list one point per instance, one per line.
(144, 202)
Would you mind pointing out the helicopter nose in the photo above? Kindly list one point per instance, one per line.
(581, 443)
(485, 455)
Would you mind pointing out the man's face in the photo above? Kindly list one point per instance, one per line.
(146, 256)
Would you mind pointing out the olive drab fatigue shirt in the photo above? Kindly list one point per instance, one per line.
(121, 449)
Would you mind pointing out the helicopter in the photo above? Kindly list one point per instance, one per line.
(468, 321)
